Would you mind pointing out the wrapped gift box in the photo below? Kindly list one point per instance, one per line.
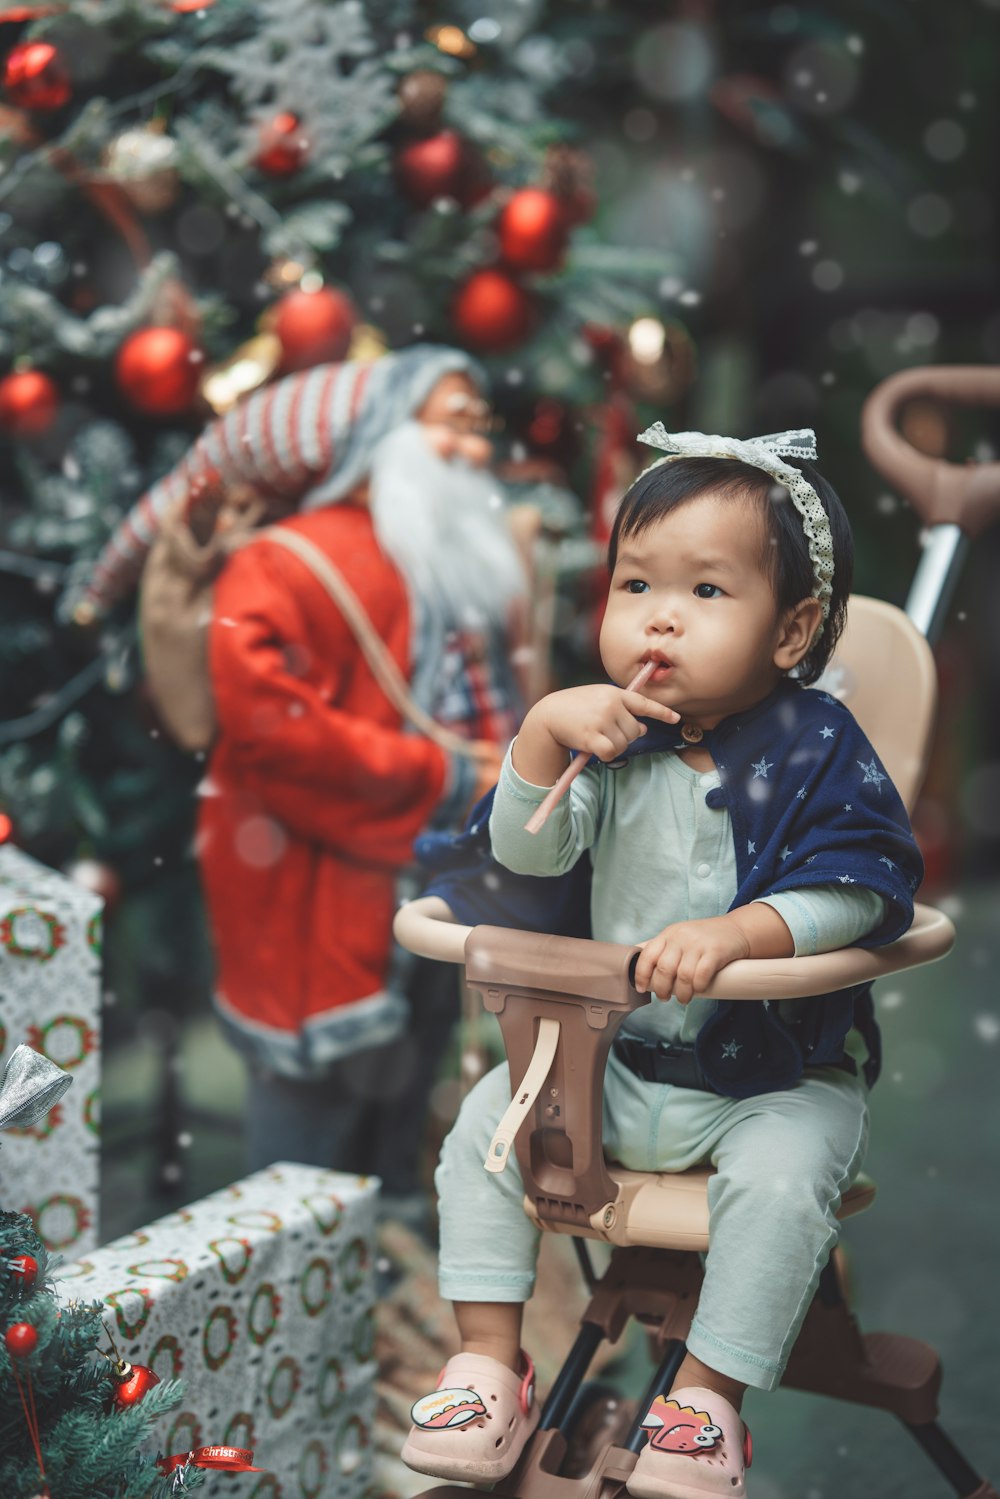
(50, 997)
(261, 1298)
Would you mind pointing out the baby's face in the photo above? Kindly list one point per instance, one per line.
(689, 592)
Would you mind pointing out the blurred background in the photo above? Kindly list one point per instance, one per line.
(731, 217)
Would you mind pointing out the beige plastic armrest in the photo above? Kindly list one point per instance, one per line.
(426, 927)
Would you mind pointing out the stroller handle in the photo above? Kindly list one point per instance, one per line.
(427, 927)
(942, 493)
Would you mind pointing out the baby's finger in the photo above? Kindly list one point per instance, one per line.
(647, 707)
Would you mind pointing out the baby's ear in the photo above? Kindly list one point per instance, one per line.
(797, 633)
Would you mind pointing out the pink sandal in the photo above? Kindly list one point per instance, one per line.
(698, 1448)
(475, 1424)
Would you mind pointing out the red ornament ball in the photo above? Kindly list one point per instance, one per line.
(158, 370)
(492, 312)
(284, 146)
(134, 1382)
(442, 166)
(20, 1339)
(24, 1268)
(313, 326)
(29, 403)
(35, 77)
(533, 230)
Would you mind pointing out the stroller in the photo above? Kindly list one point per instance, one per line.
(560, 1000)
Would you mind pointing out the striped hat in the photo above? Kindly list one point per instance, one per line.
(307, 440)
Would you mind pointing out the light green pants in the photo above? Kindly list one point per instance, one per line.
(782, 1159)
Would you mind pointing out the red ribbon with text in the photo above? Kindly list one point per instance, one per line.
(224, 1459)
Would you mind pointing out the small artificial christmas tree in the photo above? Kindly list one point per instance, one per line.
(64, 1427)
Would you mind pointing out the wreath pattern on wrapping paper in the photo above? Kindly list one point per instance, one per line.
(314, 1455)
(316, 1297)
(277, 1403)
(147, 1269)
(39, 1036)
(232, 1276)
(352, 1442)
(92, 1112)
(185, 1433)
(219, 1314)
(169, 1347)
(95, 934)
(241, 1431)
(363, 1335)
(353, 1264)
(333, 1373)
(318, 1206)
(81, 1218)
(55, 934)
(260, 1335)
(129, 1329)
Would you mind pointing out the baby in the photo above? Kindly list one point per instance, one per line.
(728, 812)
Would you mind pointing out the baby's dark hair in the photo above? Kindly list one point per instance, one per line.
(785, 553)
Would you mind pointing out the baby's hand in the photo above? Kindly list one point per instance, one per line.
(600, 720)
(684, 958)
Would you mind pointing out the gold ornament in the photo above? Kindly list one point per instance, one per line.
(451, 40)
(285, 273)
(246, 369)
(659, 361)
(142, 161)
(367, 342)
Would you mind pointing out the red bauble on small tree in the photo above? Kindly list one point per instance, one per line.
(36, 77)
(533, 230)
(313, 326)
(284, 146)
(442, 166)
(492, 312)
(158, 370)
(29, 403)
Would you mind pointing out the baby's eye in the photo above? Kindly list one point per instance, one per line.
(707, 591)
(636, 585)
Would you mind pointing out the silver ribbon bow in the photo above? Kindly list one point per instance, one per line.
(31, 1085)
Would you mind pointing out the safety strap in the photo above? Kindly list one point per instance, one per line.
(524, 1097)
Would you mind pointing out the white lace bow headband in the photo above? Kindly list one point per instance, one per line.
(766, 453)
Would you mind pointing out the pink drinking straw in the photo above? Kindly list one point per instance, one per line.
(542, 812)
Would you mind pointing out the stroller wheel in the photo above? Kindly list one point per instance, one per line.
(597, 1416)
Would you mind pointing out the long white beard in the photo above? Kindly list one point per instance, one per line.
(442, 523)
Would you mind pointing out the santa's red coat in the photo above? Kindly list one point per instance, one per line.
(313, 795)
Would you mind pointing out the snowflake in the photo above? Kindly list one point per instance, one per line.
(761, 767)
(800, 795)
(846, 879)
(872, 773)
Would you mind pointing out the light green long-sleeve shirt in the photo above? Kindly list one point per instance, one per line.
(661, 855)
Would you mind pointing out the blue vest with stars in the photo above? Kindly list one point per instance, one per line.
(810, 804)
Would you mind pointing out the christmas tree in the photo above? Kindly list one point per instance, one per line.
(71, 1422)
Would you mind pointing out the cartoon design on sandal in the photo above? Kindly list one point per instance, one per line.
(680, 1428)
(442, 1409)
